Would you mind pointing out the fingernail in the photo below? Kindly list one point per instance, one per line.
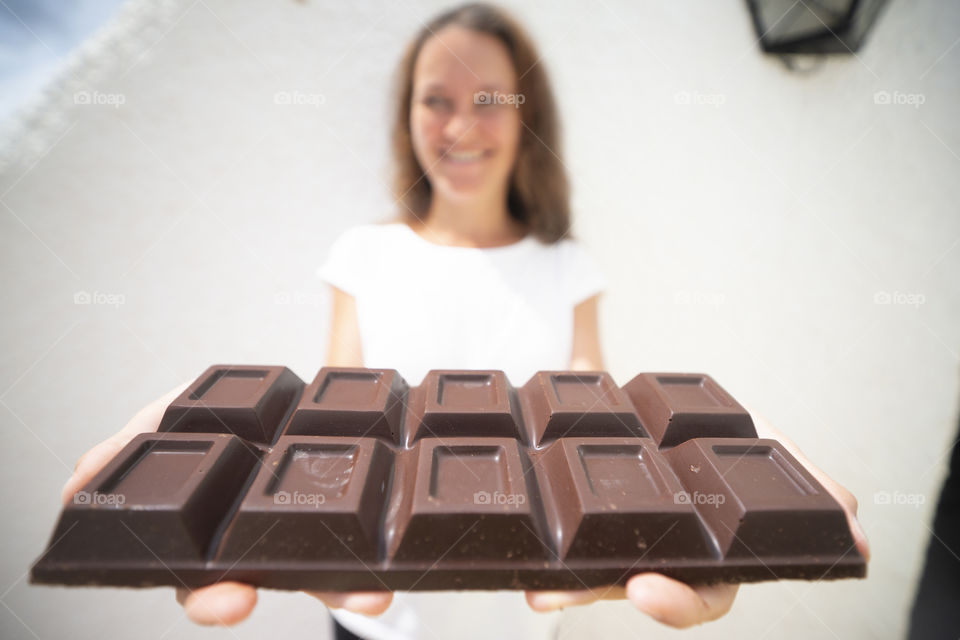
(548, 602)
(363, 603)
(642, 599)
(553, 601)
(638, 595)
(861, 533)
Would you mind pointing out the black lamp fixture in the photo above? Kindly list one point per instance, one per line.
(813, 26)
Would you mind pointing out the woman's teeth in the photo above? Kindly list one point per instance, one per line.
(463, 156)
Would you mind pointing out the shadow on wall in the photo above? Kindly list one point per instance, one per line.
(935, 613)
(35, 38)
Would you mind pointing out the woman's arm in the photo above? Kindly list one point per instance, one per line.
(587, 353)
(344, 349)
(227, 603)
(670, 601)
(673, 602)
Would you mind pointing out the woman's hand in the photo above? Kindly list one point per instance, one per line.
(664, 599)
(680, 605)
(146, 420)
(224, 603)
(227, 603)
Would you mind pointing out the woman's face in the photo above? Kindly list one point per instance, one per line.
(464, 120)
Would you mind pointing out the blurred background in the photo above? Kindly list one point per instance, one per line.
(172, 172)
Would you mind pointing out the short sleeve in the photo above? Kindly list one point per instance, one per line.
(347, 266)
(582, 277)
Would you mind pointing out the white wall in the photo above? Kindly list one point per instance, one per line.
(748, 240)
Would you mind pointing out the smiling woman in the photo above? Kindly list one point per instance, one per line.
(484, 222)
(476, 271)
(475, 111)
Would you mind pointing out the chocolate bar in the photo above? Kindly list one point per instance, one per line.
(359, 481)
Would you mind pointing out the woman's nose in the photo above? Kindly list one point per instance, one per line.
(459, 124)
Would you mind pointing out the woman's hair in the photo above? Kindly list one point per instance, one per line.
(539, 194)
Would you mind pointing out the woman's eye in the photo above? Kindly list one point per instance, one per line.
(435, 102)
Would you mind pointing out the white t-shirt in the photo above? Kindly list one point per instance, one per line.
(423, 306)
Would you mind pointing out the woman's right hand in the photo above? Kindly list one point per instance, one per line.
(223, 603)
(146, 420)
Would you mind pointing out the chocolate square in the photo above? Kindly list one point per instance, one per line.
(314, 498)
(159, 500)
(469, 500)
(465, 403)
(758, 500)
(578, 404)
(621, 500)
(252, 402)
(675, 407)
(351, 402)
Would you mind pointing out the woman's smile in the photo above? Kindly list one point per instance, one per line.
(465, 157)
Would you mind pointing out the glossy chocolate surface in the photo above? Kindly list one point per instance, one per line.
(359, 481)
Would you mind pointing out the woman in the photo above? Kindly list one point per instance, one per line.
(478, 272)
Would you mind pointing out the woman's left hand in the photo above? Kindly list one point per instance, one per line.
(664, 599)
(680, 605)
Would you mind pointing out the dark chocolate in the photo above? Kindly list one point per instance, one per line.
(351, 402)
(679, 406)
(249, 401)
(360, 482)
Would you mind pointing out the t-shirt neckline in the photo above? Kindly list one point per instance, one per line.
(522, 242)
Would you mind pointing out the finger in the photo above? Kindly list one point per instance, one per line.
(677, 604)
(89, 464)
(369, 603)
(544, 601)
(859, 537)
(222, 604)
(846, 499)
(849, 504)
(146, 420)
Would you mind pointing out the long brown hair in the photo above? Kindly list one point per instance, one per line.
(539, 193)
